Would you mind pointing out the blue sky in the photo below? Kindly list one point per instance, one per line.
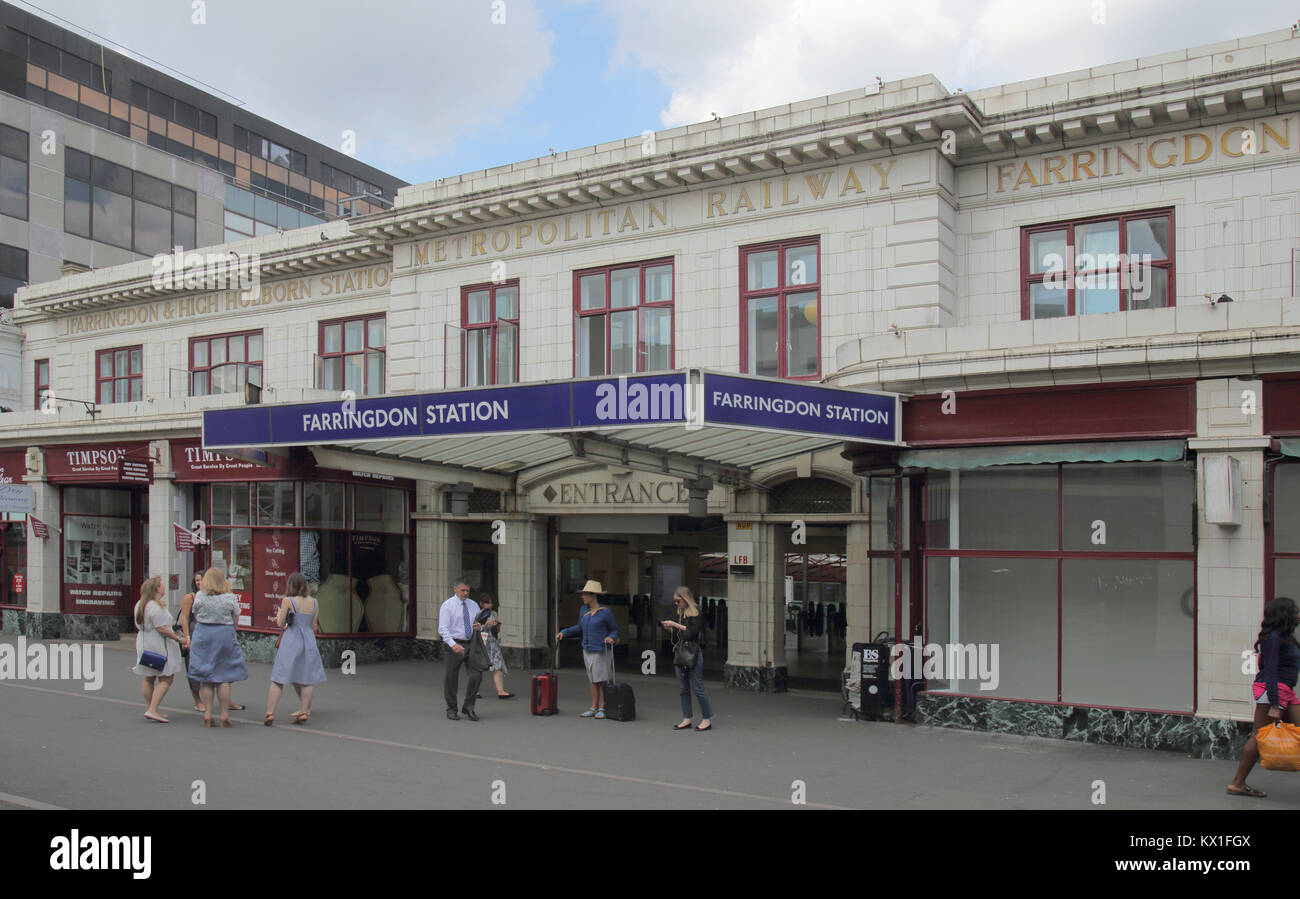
(438, 87)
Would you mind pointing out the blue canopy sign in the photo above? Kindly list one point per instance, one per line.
(689, 398)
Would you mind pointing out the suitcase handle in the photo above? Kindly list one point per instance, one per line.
(609, 650)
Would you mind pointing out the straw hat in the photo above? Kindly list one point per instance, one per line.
(593, 587)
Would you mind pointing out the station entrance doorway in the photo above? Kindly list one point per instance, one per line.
(640, 560)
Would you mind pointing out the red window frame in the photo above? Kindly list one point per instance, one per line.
(781, 292)
(1029, 278)
(134, 379)
(607, 310)
(43, 384)
(366, 348)
(209, 367)
(491, 325)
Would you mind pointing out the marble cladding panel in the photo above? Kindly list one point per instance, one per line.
(57, 626)
(261, 648)
(97, 627)
(1207, 738)
(755, 680)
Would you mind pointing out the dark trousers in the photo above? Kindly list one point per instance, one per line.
(451, 682)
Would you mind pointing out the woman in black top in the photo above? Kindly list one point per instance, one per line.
(689, 625)
(1274, 687)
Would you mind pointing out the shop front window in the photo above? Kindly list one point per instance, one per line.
(1081, 575)
(1285, 529)
(350, 541)
(13, 552)
(96, 536)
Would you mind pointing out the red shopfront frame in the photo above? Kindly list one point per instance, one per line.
(91, 543)
(276, 550)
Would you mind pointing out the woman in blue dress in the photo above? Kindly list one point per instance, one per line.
(297, 660)
(215, 657)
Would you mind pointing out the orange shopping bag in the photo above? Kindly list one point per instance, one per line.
(1279, 746)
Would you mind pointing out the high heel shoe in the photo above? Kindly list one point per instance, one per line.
(270, 721)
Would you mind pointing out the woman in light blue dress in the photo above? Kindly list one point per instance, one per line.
(215, 656)
(297, 660)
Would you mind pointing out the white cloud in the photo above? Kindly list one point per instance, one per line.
(408, 76)
(730, 56)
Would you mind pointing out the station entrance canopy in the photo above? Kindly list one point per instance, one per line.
(690, 424)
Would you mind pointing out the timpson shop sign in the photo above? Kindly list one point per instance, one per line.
(271, 295)
(1261, 140)
(784, 193)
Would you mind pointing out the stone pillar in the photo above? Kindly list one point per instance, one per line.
(756, 613)
(521, 572)
(437, 564)
(168, 505)
(44, 574)
(857, 586)
(1229, 561)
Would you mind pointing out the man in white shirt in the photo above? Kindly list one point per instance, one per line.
(456, 626)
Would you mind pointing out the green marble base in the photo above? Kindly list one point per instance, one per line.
(1202, 738)
(754, 680)
(58, 626)
(369, 650)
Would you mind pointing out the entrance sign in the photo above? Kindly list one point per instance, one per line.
(617, 403)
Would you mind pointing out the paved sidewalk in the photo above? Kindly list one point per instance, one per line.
(379, 739)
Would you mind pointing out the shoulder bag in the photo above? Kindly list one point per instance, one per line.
(685, 652)
(149, 658)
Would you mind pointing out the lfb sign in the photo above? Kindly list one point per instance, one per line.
(19, 583)
(742, 556)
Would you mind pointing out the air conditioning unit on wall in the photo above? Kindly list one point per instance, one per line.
(1223, 490)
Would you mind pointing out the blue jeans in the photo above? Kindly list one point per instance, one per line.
(692, 681)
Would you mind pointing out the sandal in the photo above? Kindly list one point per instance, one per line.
(236, 707)
(207, 722)
(505, 696)
(600, 713)
(156, 719)
(704, 726)
(301, 719)
(590, 713)
(686, 725)
(270, 721)
(225, 722)
(1247, 790)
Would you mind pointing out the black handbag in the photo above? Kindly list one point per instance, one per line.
(686, 653)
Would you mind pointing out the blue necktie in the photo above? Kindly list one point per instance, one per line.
(464, 611)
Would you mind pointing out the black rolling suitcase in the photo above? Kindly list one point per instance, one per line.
(620, 704)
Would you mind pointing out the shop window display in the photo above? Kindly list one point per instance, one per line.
(97, 536)
(350, 541)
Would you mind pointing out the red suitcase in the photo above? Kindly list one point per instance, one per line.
(545, 695)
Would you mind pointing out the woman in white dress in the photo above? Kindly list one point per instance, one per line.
(155, 634)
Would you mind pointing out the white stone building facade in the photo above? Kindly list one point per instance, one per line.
(903, 240)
